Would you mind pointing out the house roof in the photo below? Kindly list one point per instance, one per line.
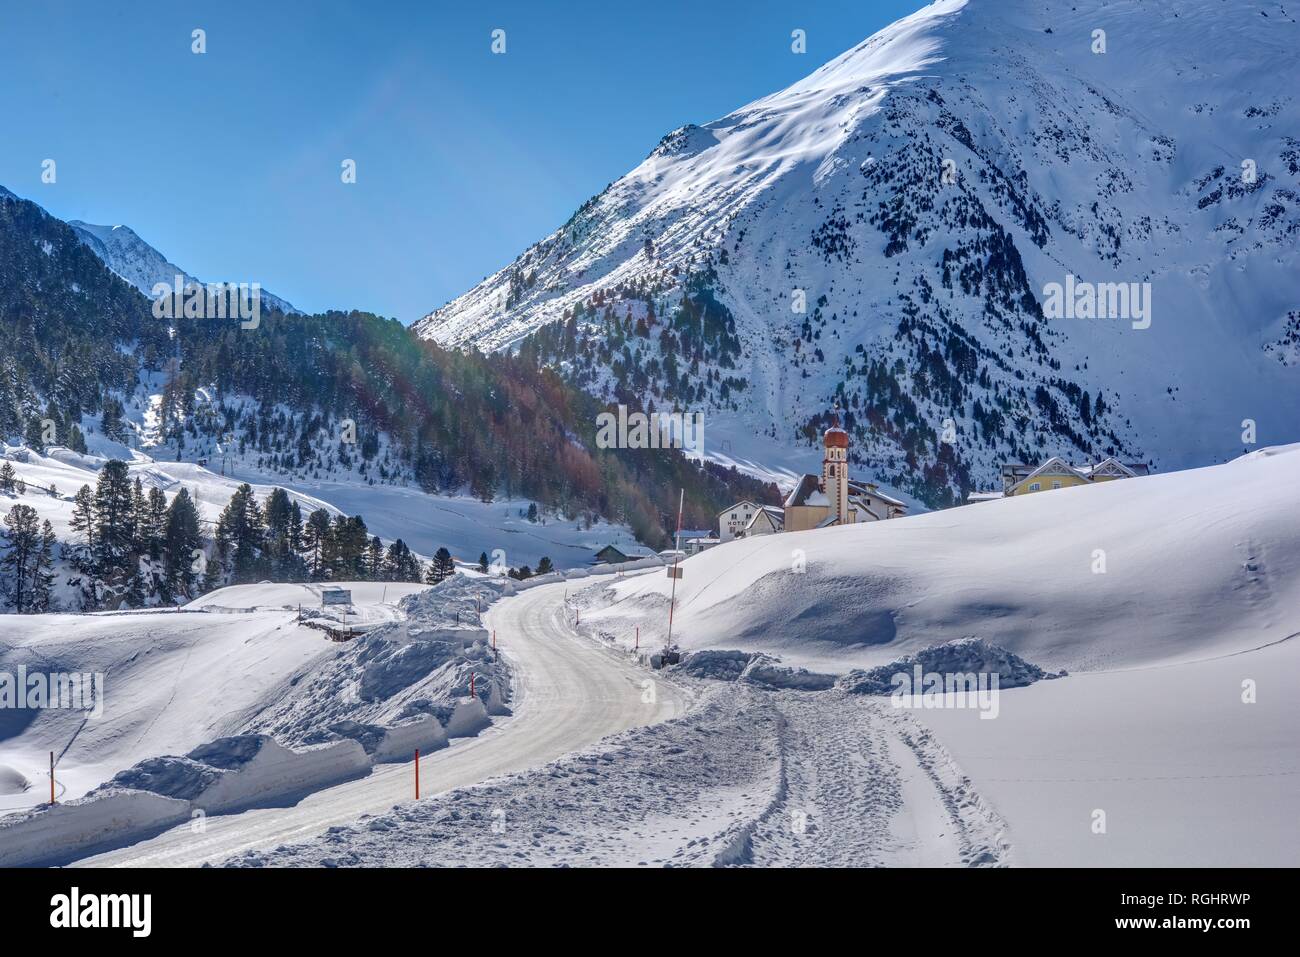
(772, 515)
(870, 488)
(1110, 466)
(805, 487)
(737, 506)
(1054, 466)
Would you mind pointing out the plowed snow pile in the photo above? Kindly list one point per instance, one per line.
(327, 714)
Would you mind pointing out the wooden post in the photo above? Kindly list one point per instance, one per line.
(417, 774)
(51, 777)
(471, 684)
(638, 638)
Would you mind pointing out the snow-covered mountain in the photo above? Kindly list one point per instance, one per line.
(887, 232)
(125, 253)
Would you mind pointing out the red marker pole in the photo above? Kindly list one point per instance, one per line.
(417, 774)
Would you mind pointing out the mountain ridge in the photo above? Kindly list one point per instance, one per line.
(924, 294)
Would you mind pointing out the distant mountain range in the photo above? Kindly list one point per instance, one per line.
(124, 252)
(347, 397)
(894, 234)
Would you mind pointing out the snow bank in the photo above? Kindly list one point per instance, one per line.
(243, 771)
(56, 834)
(12, 781)
(963, 656)
(753, 668)
(405, 684)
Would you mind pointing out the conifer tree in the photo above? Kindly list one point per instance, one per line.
(241, 537)
(20, 565)
(113, 519)
(180, 539)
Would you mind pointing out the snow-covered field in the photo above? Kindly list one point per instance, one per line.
(1196, 564)
(1186, 772)
(1169, 742)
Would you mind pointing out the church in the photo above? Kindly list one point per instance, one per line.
(816, 501)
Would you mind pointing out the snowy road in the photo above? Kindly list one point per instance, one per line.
(569, 694)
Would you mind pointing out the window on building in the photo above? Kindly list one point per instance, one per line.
(1034, 487)
(1056, 484)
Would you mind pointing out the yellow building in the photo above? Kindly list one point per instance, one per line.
(1020, 479)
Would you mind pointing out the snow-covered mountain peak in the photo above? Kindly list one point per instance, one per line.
(123, 251)
(887, 232)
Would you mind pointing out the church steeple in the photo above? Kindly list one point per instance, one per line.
(835, 468)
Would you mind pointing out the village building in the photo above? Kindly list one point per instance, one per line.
(817, 501)
(693, 546)
(1021, 479)
(617, 555)
(733, 520)
(768, 520)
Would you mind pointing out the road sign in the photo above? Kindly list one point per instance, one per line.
(674, 571)
(335, 596)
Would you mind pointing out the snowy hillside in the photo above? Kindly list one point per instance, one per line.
(463, 524)
(1166, 568)
(124, 252)
(886, 231)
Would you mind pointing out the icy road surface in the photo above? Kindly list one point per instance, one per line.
(569, 693)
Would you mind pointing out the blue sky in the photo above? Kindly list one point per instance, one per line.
(229, 162)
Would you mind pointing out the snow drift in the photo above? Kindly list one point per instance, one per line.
(1169, 567)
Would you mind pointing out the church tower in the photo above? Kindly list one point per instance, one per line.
(835, 470)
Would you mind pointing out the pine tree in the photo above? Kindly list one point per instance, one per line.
(42, 570)
(295, 528)
(180, 539)
(34, 434)
(375, 560)
(139, 518)
(545, 566)
(315, 541)
(7, 480)
(441, 568)
(241, 537)
(347, 543)
(23, 544)
(111, 420)
(400, 565)
(483, 562)
(155, 520)
(113, 519)
(83, 523)
(136, 590)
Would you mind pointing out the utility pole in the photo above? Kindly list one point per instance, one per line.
(672, 601)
